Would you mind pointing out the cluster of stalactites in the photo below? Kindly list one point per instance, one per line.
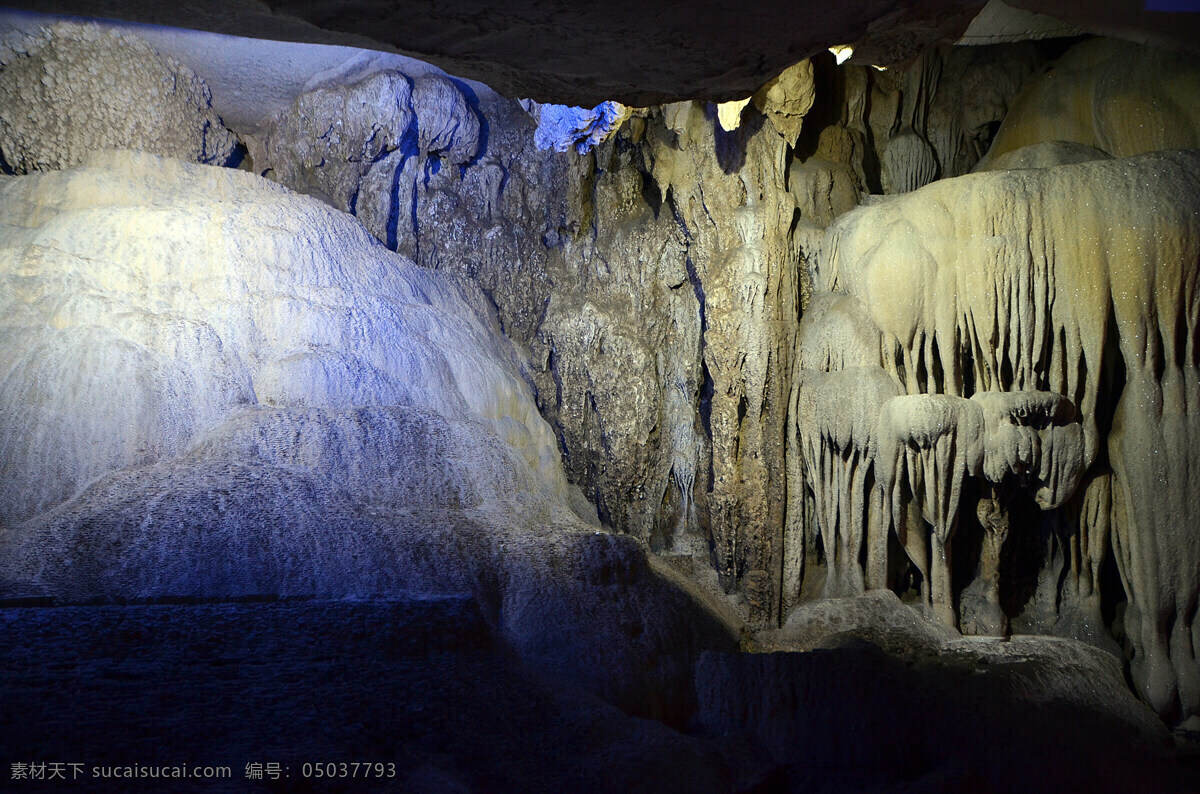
(883, 457)
(1058, 302)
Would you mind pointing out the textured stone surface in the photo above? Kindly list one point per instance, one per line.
(855, 696)
(961, 279)
(998, 22)
(73, 90)
(656, 280)
(1120, 98)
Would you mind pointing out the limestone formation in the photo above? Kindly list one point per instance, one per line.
(652, 265)
(655, 279)
(217, 388)
(74, 89)
(1016, 290)
(338, 136)
(563, 128)
(786, 99)
(936, 118)
(330, 136)
(1032, 437)
(1117, 97)
(928, 445)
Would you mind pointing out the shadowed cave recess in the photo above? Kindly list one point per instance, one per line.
(811, 412)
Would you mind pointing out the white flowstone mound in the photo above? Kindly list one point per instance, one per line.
(1063, 302)
(145, 301)
(77, 89)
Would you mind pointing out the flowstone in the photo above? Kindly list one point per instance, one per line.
(1076, 342)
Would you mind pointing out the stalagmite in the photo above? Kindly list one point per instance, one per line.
(988, 619)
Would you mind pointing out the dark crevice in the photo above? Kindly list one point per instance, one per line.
(1023, 555)
(237, 157)
(484, 130)
(706, 397)
(651, 193)
(936, 377)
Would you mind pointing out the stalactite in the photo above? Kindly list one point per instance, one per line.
(933, 442)
(1089, 544)
(835, 415)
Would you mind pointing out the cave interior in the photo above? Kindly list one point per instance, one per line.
(600, 397)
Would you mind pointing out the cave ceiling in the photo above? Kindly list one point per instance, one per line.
(636, 52)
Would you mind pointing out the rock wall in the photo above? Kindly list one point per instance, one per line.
(655, 276)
